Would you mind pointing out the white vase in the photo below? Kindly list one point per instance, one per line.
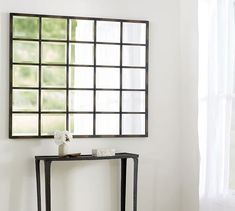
(63, 149)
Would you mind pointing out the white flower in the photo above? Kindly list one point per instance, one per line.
(61, 137)
(68, 136)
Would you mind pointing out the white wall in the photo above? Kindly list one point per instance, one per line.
(90, 185)
(188, 107)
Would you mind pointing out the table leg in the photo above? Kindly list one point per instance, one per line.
(135, 184)
(123, 184)
(37, 166)
(48, 184)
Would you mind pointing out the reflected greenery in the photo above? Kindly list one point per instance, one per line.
(54, 28)
(81, 30)
(53, 100)
(25, 27)
(53, 53)
(25, 51)
(53, 76)
(25, 100)
(25, 76)
(81, 53)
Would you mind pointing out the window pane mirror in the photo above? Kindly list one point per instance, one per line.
(86, 75)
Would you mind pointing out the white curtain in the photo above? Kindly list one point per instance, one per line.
(216, 67)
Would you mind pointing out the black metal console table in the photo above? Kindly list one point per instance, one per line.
(119, 156)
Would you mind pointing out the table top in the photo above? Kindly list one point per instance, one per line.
(86, 157)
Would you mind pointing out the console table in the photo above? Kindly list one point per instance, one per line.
(119, 156)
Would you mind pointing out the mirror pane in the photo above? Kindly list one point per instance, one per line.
(134, 33)
(107, 124)
(81, 30)
(133, 56)
(53, 53)
(133, 101)
(25, 100)
(81, 124)
(133, 124)
(108, 31)
(25, 51)
(81, 53)
(80, 100)
(107, 100)
(53, 76)
(108, 54)
(25, 76)
(52, 122)
(24, 124)
(25, 27)
(54, 28)
(108, 78)
(81, 77)
(53, 100)
(133, 78)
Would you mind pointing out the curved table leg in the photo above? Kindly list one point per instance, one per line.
(123, 184)
(48, 184)
(37, 166)
(135, 184)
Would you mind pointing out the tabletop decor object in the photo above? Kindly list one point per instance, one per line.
(103, 152)
(71, 155)
(62, 138)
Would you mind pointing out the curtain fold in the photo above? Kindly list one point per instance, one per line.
(216, 69)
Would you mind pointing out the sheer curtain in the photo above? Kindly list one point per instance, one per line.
(216, 67)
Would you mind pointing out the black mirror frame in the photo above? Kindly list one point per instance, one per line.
(39, 112)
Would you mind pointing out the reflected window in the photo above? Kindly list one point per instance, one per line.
(85, 75)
